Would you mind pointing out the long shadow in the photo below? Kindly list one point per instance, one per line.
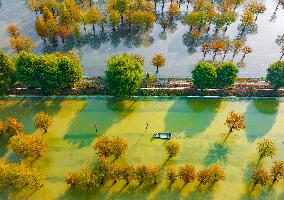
(260, 117)
(104, 113)
(192, 116)
(217, 153)
(25, 109)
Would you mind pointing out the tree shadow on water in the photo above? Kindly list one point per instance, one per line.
(192, 116)
(217, 153)
(260, 117)
(102, 113)
(25, 109)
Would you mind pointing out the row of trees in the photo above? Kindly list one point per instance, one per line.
(50, 72)
(16, 176)
(125, 73)
(63, 19)
(106, 170)
(206, 75)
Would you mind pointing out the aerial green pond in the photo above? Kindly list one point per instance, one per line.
(198, 125)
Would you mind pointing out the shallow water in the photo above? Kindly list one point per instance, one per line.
(94, 51)
(197, 122)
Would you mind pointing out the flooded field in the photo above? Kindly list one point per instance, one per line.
(198, 125)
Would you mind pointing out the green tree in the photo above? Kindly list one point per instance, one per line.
(7, 72)
(172, 148)
(42, 121)
(265, 148)
(204, 75)
(226, 74)
(123, 76)
(50, 72)
(275, 74)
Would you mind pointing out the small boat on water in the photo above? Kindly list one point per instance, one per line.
(165, 136)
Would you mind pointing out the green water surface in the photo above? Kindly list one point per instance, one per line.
(198, 124)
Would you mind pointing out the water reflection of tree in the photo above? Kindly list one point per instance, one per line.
(130, 38)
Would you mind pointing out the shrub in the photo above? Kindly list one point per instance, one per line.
(226, 74)
(124, 75)
(7, 72)
(275, 74)
(204, 75)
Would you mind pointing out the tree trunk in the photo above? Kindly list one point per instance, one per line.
(255, 18)
(121, 18)
(243, 56)
(214, 56)
(94, 30)
(90, 3)
(281, 56)
(234, 55)
(157, 70)
(227, 136)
